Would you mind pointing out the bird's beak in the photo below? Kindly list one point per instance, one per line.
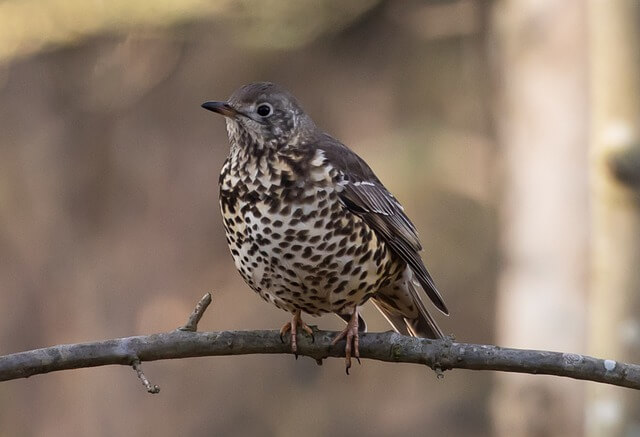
(221, 108)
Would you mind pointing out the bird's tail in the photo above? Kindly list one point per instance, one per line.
(422, 325)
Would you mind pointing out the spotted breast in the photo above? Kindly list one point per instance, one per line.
(290, 237)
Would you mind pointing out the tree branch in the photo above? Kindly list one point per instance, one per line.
(137, 366)
(196, 314)
(185, 342)
(390, 347)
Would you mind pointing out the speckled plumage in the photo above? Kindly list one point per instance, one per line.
(309, 225)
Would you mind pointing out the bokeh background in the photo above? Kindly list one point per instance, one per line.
(507, 128)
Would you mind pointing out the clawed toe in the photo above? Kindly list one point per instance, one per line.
(292, 327)
(353, 340)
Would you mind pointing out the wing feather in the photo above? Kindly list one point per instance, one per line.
(364, 195)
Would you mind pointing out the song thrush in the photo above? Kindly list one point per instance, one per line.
(310, 226)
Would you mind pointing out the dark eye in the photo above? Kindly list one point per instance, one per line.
(264, 110)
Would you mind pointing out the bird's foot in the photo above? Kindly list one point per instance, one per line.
(353, 339)
(292, 326)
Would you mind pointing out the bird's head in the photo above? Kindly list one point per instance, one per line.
(264, 113)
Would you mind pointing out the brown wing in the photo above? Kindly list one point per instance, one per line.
(364, 195)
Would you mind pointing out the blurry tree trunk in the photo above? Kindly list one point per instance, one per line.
(614, 331)
(539, 59)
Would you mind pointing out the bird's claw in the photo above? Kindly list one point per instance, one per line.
(285, 328)
(292, 327)
(353, 341)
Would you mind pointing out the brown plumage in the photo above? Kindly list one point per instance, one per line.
(310, 226)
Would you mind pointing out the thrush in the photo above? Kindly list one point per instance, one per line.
(309, 225)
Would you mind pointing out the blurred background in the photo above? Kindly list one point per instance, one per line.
(508, 129)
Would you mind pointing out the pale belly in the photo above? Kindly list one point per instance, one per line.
(309, 256)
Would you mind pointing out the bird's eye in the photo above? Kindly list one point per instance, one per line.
(264, 110)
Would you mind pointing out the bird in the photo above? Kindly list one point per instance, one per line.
(311, 228)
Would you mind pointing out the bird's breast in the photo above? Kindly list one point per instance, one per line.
(292, 239)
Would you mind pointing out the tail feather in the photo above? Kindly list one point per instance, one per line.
(394, 319)
(420, 324)
(424, 326)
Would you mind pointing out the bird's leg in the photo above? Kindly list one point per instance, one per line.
(351, 332)
(295, 323)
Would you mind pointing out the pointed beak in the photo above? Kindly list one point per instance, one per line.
(222, 108)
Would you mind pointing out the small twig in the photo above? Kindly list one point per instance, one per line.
(196, 315)
(137, 366)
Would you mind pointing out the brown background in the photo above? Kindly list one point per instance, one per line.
(109, 222)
